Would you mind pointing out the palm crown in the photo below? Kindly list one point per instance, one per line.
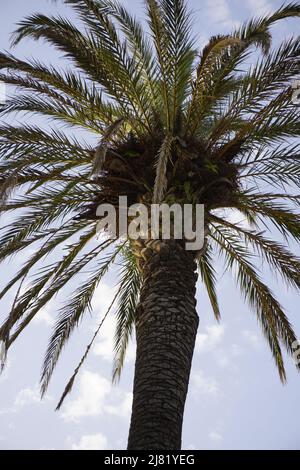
(172, 125)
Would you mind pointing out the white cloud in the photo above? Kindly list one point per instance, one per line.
(30, 396)
(218, 12)
(205, 385)
(236, 350)
(223, 360)
(27, 396)
(124, 407)
(104, 346)
(91, 442)
(103, 297)
(215, 436)
(227, 358)
(96, 396)
(207, 342)
(93, 390)
(251, 338)
(211, 342)
(101, 302)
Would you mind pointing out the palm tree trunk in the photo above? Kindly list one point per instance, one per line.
(166, 327)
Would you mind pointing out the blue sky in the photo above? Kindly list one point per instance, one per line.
(236, 400)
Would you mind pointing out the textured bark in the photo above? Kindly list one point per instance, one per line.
(166, 327)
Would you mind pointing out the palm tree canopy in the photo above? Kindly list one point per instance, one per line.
(167, 123)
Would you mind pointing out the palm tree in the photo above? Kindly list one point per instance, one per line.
(172, 125)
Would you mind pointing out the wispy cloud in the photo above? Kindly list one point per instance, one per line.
(91, 442)
(252, 338)
(93, 391)
(215, 436)
(219, 12)
(122, 407)
(97, 396)
(205, 385)
(28, 396)
(208, 341)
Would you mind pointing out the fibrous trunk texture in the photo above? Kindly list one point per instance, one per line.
(166, 327)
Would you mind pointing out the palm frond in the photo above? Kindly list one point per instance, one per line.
(70, 316)
(257, 30)
(284, 219)
(275, 254)
(163, 158)
(139, 45)
(123, 67)
(177, 24)
(278, 166)
(70, 383)
(59, 274)
(204, 89)
(262, 91)
(274, 322)
(161, 40)
(101, 150)
(128, 298)
(55, 237)
(208, 275)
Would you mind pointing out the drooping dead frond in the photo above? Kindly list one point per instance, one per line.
(101, 150)
(69, 386)
(130, 285)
